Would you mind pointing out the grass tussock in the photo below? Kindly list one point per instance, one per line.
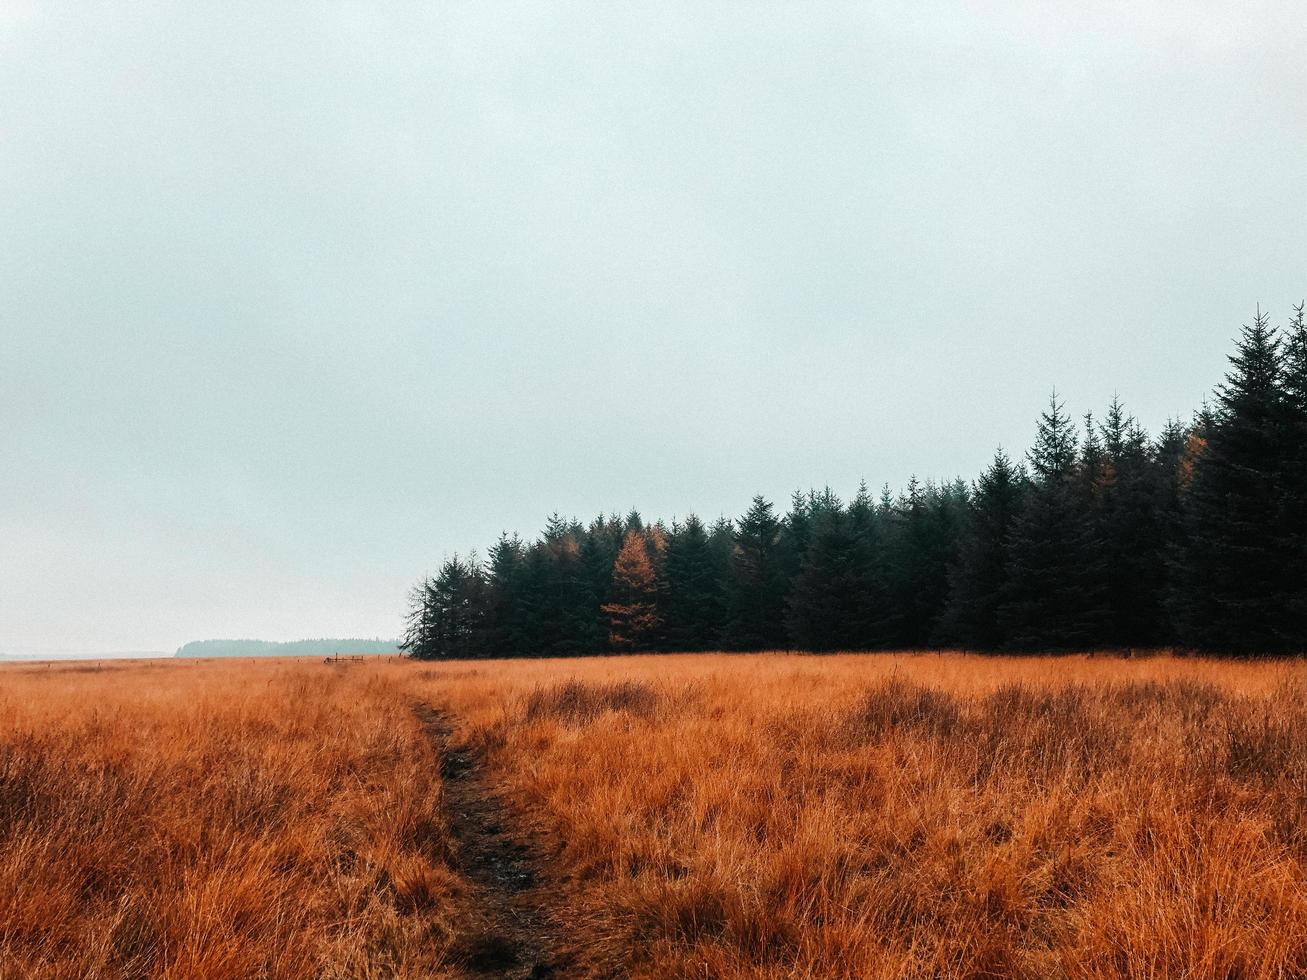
(576, 703)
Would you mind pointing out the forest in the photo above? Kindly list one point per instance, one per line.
(1103, 536)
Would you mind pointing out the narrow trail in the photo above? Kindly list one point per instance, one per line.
(511, 938)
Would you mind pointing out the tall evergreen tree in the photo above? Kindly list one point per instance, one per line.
(1294, 481)
(449, 616)
(561, 606)
(1131, 527)
(1054, 598)
(420, 622)
(921, 545)
(695, 602)
(597, 551)
(757, 600)
(827, 598)
(507, 634)
(1232, 594)
(979, 575)
(874, 604)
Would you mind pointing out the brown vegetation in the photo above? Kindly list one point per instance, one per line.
(911, 816)
(710, 816)
(217, 820)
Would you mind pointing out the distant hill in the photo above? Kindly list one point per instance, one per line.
(296, 648)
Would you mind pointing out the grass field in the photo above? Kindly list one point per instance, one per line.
(705, 816)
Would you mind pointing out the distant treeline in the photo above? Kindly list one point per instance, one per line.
(295, 648)
(1102, 537)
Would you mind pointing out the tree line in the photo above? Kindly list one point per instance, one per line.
(1101, 537)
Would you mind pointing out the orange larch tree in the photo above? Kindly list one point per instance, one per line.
(633, 612)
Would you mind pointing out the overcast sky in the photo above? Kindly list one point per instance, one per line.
(298, 298)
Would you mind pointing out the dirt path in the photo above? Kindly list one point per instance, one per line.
(511, 937)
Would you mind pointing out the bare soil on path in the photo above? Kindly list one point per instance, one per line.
(510, 935)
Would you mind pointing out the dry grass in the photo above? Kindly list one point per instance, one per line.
(715, 816)
(913, 816)
(217, 821)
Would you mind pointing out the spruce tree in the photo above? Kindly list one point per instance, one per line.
(826, 599)
(921, 547)
(507, 634)
(1232, 576)
(796, 535)
(1131, 527)
(757, 601)
(695, 603)
(656, 536)
(449, 615)
(598, 550)
(874, 601)
(561, 606)
(1054, 598)
(979, 575)
(419, 623)
(1293, 524)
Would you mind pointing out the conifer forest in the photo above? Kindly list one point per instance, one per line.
(1101, 535)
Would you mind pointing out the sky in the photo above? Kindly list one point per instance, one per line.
(297, 299)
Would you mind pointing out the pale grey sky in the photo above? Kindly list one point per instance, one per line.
(297, 298)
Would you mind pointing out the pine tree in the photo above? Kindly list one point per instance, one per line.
(507, 635)
(1293, 524)
(1132, 529)
(721, 542)
(918, 541)
(419, 624)
(1094, 471)
(757, 601)
(796, 535)
(695, 600)
(1054, 598)
(828, 595)
(560, 604)
(1231, 584)
(449, 614)
(598, 549)
(632, 610)
(979, 575)
(874, 603)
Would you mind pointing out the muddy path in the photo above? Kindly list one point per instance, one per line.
(509, 935)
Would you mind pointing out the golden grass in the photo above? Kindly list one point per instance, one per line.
(714, 816)
(216, 821)
(912, 816)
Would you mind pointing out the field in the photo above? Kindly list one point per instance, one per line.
(705, 816)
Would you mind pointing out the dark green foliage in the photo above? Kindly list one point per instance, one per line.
(1110, 539)
(507, 634)
(757, 594)
(563, 600)
(827, 603)
(1129, 499)
(449, 613)
(1293, 524)
(695, 598)
(979, 575)
(918, 536)
(1054, 598)
(1232, 590)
